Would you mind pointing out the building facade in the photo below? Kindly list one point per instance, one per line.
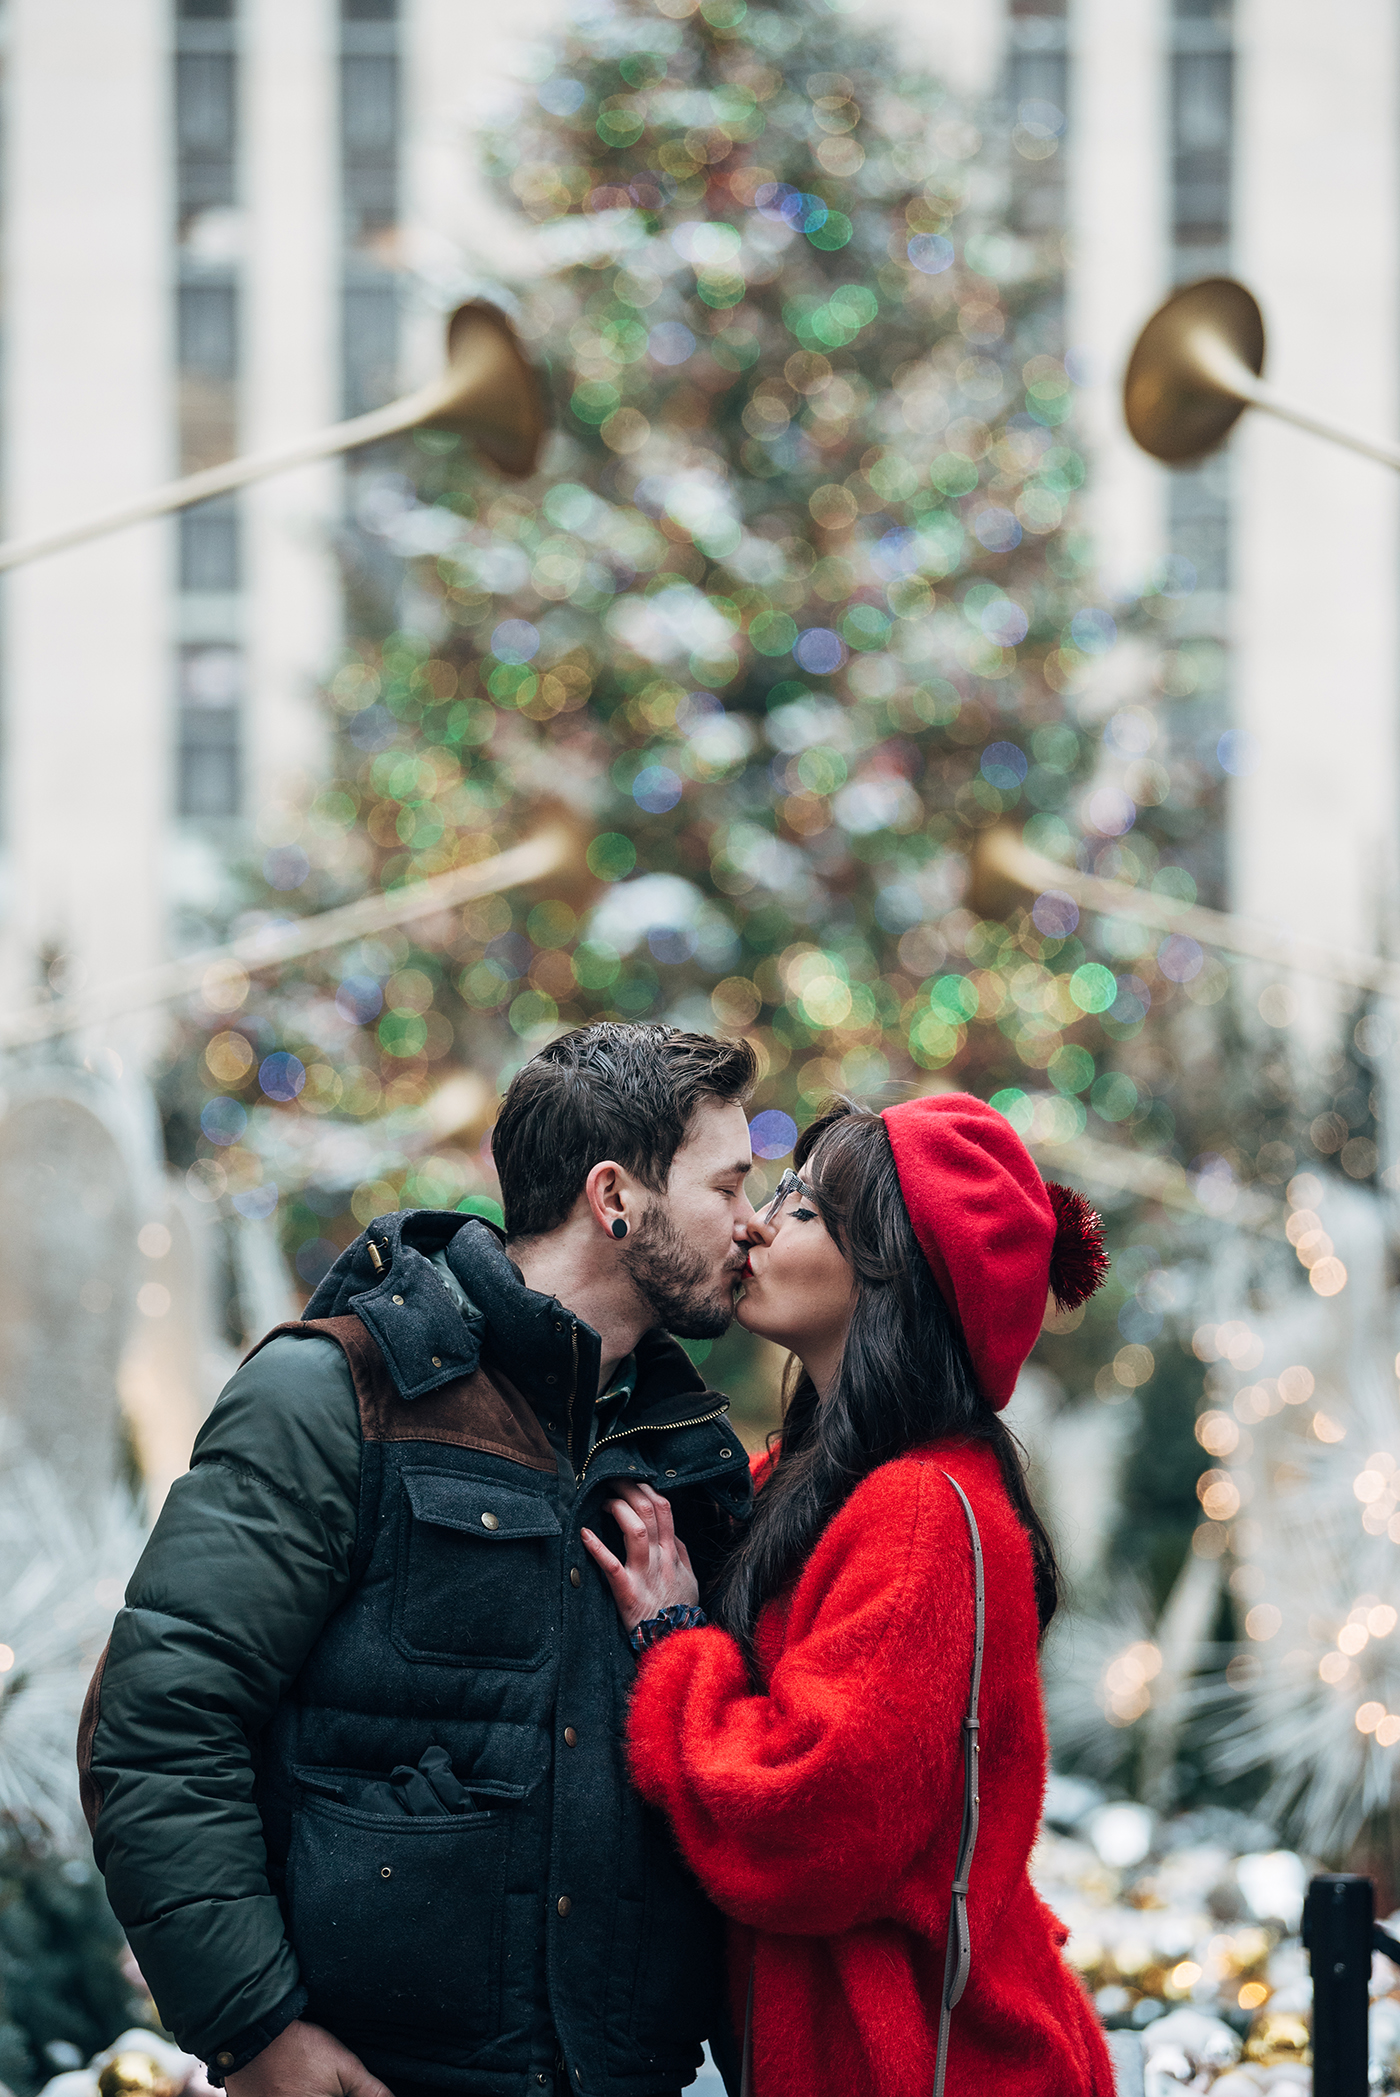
(227, 223)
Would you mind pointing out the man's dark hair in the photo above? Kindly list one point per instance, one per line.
(612, 1090)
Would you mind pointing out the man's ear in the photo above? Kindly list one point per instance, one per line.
(611, 1194)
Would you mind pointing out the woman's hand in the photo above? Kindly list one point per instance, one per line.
(658, 1573)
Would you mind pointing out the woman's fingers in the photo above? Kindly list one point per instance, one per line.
(658, 1571)
(646, 1504)
(670, 1561)
(664, 1518)
(620, 1582)
(635, 1534)
(597, 1549)
(639, 1496)
(640, 1511)
(648, 1527)
(640, 1520)
(628, 1518)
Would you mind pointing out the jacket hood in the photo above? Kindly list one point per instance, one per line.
(387, 1280)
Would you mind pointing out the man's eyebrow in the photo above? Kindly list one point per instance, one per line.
(742, 1166)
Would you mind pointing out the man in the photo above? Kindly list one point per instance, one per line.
(353, 1758)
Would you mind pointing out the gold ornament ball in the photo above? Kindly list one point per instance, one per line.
(135, 2075)
(1277, 2037)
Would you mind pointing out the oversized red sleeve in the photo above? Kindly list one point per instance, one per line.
(801, 1808)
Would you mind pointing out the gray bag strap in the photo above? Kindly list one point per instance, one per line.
(958, 1963)
(746, 2078)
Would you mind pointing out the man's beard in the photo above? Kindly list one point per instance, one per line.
(675, 1282)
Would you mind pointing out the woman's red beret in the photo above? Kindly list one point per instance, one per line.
(997, 1238)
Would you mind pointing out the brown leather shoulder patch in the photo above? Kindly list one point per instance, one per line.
(88, 1789)
(475, 1412)
(374, 1387)
(348, 1334)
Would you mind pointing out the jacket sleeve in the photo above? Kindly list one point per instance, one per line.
(801, 1806)
(251, 1554)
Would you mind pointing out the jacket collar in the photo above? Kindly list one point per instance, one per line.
(544, 1348)
(387, 1280)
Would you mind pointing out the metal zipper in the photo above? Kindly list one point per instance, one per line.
(657, 1427)
(572, 1399)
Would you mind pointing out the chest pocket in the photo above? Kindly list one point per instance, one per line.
(477, 1583)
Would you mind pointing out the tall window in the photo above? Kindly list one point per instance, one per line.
(1202, 97)
(369, 130)
(1202, 129)
(207, 348)
(211, 548)
(208, 358)
(370, 142)
(206, 122)
(1202, 154)
(211, 695)
(1038, 91)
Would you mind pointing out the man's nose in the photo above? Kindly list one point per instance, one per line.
(745, 1215)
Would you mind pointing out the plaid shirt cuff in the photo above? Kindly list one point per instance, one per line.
(680, 1617)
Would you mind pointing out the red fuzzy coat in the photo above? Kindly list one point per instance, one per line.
(824, 1815)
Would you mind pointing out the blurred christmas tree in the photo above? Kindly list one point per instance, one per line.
(794, 612)
(797, 611)
(67, 1983)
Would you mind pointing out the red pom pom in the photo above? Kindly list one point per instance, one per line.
(1078, 1262)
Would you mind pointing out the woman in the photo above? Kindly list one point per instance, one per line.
(807, 1746)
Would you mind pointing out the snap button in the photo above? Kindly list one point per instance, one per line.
(726, 1452)
(386, 1871)
(551, 1379)
(437, 1361)
(670, 1474)
(575, 1576)
(570, 1737)
(398, 1299)
(563, 1904)
(225, 2060)
(490, 1521)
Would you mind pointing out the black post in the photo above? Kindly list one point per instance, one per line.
(1337, 1925)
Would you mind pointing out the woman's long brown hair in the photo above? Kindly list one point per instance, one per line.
(905, 1379)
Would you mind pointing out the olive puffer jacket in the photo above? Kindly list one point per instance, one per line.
(356, 1747)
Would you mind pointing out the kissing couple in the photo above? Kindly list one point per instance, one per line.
(481, 1721)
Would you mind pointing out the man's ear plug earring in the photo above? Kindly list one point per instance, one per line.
(619, 1229)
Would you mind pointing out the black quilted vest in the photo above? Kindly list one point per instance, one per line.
(462, 1951)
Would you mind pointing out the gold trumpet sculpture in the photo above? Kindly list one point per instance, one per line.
(488, 393)
(1197, 366)
(1005, 870)
(556, 853)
